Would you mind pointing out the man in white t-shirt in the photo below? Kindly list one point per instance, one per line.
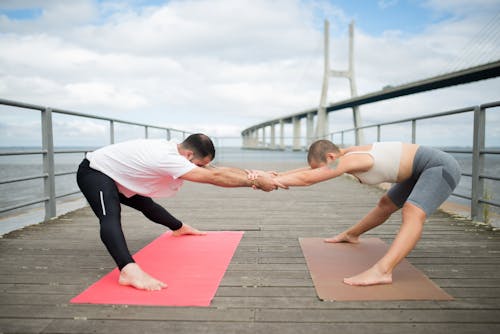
(133, 172)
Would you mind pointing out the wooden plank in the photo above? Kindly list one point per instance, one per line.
(178, 327)
(267, 287)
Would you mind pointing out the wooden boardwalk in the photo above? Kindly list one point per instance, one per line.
(267, 287)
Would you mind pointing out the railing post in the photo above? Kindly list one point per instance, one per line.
(169, 136)
(378, 132)
(146, 132)
(49, 187)
(477, 164)
(111, 132)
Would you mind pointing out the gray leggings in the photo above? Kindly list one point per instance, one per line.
(435, 176)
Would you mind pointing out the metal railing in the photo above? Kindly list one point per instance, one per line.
(48, 152)
(478, 176)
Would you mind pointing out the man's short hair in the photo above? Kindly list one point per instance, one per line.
(201, 145)
(319, 149)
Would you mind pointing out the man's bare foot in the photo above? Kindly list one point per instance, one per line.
(371, 276)
(344, 237)
(134, 276)
(187, 230)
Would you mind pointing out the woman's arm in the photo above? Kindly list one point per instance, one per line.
(308, 176)
(292, 171)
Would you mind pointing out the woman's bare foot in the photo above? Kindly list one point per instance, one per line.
(372, 276)
(187, 230)
(344, 237)
(134, 276)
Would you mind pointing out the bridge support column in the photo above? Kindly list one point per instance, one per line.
(282, 134)
(296, 134)
(310, 129)
(255, 138)
(272, 146)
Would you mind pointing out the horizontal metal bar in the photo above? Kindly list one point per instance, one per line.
(21, 105)
(489, 177)
(64, 173)
(73, 151)
(26, 178)
(461, 196)
(68, 194)
(490, 202)
(73, 113)
(458, 151)
(121, 121)
(23, 152)
(484, 176)
(490, 105)
(21, 205)
(489, 151)
(407, 120)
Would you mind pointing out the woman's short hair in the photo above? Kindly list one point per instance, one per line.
(319, 149)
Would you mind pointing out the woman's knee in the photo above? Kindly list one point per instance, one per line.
(412, 211)
(387, 205)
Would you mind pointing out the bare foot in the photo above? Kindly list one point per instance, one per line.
(134, 276)
(187, 230)
(344, 237)
(371, 276)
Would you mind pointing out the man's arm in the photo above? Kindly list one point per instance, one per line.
(226, 177)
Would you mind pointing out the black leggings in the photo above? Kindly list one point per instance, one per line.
(104, 198)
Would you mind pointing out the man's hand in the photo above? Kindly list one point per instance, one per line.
(253, 174)
(267, 183)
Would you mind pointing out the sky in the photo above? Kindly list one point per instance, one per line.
(220, 66)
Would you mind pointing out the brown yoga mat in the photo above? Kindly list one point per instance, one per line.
(330, 263)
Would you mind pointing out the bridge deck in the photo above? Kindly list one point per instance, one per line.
(267, 288)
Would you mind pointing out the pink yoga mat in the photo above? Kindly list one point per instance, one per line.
(192, 267)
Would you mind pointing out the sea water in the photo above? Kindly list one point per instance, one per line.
(16, 166)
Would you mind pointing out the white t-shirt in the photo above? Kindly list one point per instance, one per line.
(148, 167)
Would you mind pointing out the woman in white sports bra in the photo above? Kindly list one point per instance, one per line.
(423, 178)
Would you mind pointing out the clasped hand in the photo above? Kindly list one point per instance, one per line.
(264, 180)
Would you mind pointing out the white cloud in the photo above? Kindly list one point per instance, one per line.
(221, 65)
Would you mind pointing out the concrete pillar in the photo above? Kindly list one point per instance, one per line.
(264, 139)
(296, 134)
(273, 136)
(246, 140)
(255, 138)
(282, 134)
(310, 129)
(321, 122)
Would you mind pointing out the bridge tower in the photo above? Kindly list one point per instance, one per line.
(322, 117)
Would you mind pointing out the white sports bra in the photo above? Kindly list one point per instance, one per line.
(386, 157)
